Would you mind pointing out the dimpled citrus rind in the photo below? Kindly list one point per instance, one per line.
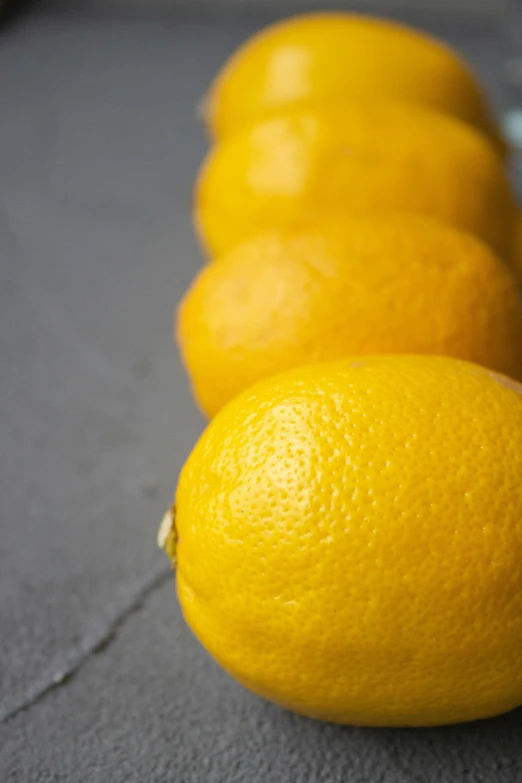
(350, 539)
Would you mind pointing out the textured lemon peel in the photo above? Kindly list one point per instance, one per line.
(168, 536)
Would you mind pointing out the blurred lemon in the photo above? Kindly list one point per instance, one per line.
(343, 56)
(358, 157)
(396, 284)
(518, 244)
(349, 539)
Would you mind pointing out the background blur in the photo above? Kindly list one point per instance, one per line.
(291, 6)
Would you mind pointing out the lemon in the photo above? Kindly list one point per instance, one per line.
(517, 255)
(345, 57)
(381, 284)
(349, 540)
(358, 157)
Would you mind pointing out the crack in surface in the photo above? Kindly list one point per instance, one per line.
(90, 647)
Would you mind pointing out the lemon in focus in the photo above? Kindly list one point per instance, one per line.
(349, 539)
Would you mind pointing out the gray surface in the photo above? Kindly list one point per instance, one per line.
(100, 680)
(472, 7)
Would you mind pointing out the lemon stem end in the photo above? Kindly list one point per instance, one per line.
(168, 536)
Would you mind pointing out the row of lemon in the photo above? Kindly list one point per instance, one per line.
(358, 201)
(348, 534)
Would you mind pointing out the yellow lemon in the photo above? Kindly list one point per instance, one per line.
(518, 244)
(344, 57)
(360, 157)
(349, 540)
(395, 284)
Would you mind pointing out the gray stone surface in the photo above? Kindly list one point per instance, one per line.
(96, 247)
(99, 678)
(437, 7)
